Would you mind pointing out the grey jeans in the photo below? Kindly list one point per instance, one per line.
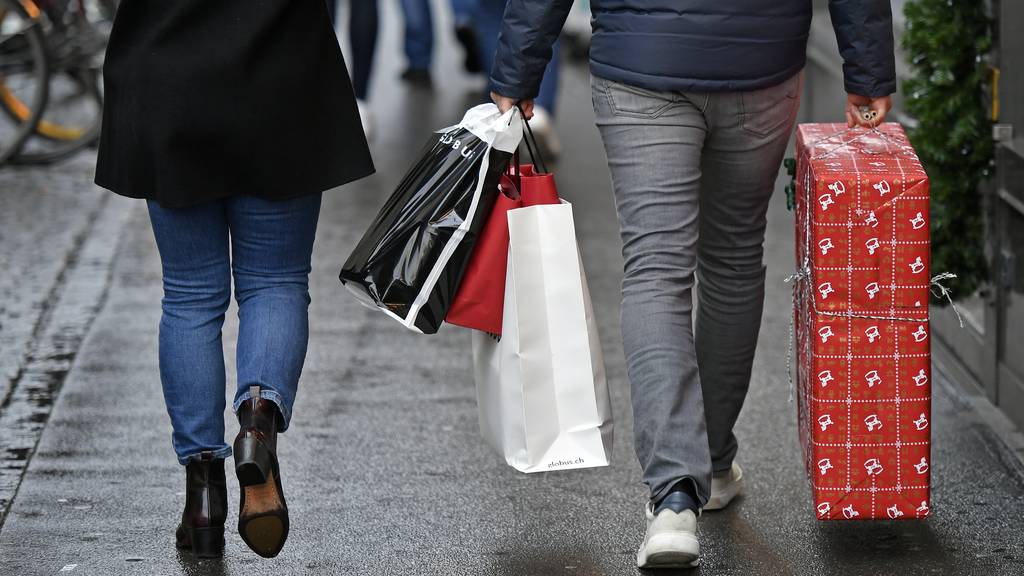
(692, 174)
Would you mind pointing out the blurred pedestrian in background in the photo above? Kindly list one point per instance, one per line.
(464, 12)
(419, 42)
(363, 25)
(695, 102)
(419, 38)
(230, 118)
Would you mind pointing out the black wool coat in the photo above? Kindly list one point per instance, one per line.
(207, 99)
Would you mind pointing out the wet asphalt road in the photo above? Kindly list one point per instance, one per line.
(384, 467)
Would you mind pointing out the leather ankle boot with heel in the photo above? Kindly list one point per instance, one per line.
(206, 507)
(262, 513)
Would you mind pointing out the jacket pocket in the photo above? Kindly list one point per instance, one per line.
(636, 102)
(767, 110)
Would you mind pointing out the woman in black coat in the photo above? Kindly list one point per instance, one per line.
(230, 118)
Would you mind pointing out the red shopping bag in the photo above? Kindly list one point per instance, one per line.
(479, 302)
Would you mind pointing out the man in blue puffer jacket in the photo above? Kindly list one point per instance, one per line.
(695, 101)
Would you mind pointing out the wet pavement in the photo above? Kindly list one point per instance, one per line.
(384, 467)
(58, 243)
(44, 218)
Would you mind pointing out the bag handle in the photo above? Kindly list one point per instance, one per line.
(533, 148)
(514, 172)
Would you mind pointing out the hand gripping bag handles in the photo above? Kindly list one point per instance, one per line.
(541, 388)
(410, 261)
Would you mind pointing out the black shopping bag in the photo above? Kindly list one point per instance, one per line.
(411, 259)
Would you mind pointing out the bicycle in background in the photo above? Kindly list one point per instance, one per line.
(51, 93)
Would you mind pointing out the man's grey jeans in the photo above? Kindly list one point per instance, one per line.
(692, 174)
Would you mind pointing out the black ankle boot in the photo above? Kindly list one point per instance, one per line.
(206, 507)
(262, 513)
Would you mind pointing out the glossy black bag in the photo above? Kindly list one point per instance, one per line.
(411, 259)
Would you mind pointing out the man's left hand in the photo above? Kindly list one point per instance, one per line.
(877, 110)
(505, 104)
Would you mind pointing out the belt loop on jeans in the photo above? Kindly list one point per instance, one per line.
(707, 102)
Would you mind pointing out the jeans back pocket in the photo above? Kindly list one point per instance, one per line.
(636, 102)
(766, 110)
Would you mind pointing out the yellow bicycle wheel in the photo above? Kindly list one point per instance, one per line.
(75, 33)
(23, 76)
(23, 113)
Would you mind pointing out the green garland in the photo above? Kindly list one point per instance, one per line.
(947, 42)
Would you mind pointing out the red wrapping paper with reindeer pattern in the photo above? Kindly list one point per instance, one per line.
(861, 321)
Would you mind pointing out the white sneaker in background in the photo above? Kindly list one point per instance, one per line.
(544, 130)
(725, 487)
(366, 116)
(671, 540)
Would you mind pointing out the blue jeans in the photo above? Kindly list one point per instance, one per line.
(464, 11)
(267, 247)
(489, 18)
(419, 28)
(419, 33)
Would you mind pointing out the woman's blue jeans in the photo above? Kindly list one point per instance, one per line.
(266, 246)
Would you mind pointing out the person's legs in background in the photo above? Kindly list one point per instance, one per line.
(362, 29)
(488, 22)
(464, 12)
(419, 41)
(193, 245)
(271, 246)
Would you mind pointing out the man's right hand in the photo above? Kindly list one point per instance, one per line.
(505, 104)
(879, 108)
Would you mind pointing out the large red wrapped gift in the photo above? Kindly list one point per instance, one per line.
(861, 319)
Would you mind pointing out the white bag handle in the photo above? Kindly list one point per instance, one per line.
(501, 131)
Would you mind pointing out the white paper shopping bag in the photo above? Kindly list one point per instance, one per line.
(541, 387)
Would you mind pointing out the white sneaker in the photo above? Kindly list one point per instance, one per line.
(671, 540)
(366, 116)
(544, 130)
(725, 487)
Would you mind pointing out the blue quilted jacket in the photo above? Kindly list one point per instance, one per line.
(699, 45)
